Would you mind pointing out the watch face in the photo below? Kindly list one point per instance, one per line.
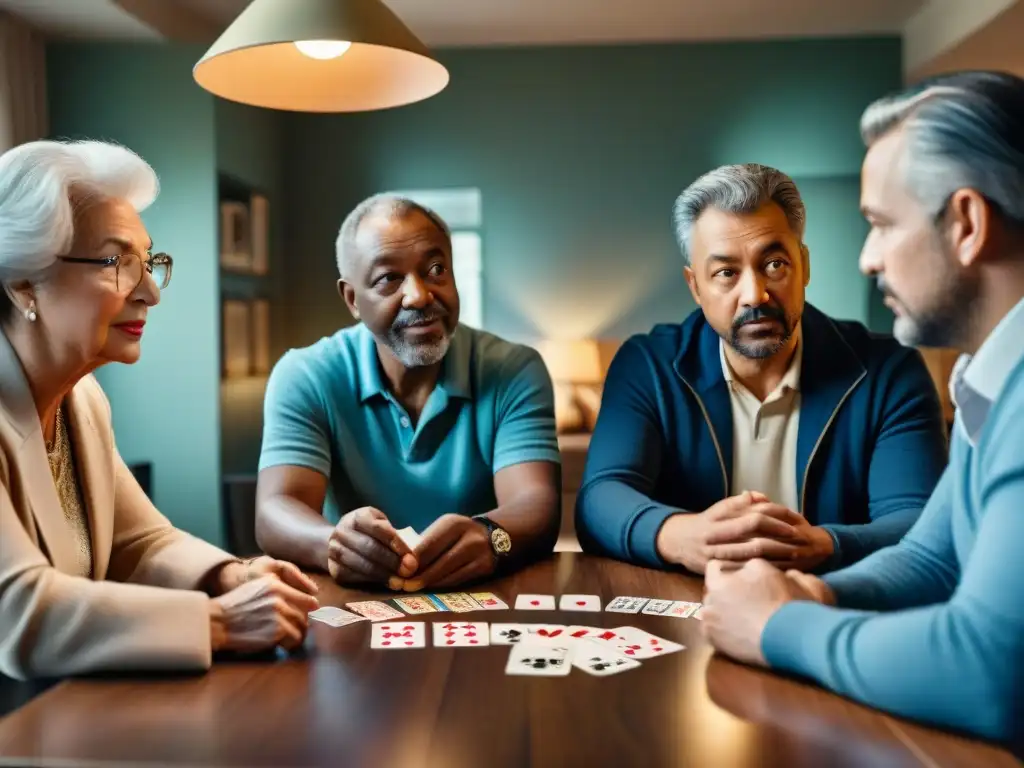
(501, 541)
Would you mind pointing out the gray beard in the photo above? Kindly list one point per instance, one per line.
(933, 330)
(760, 350)
(946, 323)
(413, 355)
(417, 355)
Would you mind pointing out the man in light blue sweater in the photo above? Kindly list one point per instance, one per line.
(933, 627)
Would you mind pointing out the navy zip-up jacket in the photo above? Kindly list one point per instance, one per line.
(871, 444)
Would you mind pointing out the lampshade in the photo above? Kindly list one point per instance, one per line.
(258, 60)
(574, 362)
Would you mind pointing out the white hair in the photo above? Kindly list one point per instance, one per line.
(41, 183)
(960, 130)
(737, 189)
(387, 205)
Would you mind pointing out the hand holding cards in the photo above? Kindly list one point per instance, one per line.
(451, 533)
(365, 548)
(410, 537)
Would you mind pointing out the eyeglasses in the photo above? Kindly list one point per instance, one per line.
(129, 268)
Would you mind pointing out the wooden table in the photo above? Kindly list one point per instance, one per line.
(339, 703)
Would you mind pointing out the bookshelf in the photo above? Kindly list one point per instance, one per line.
(245, 278)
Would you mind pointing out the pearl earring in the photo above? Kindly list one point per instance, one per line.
(30, 313)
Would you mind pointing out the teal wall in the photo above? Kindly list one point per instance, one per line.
(166, 406)
(579, 153)
(250, 149)
(880, 317)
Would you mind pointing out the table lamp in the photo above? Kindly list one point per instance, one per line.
(577, 374)
(320, 56)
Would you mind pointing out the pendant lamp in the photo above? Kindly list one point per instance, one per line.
(320, 56)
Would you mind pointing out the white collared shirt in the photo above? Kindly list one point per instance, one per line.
(977, 381)
(765, 435)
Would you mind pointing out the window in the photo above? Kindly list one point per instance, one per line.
(461, 211)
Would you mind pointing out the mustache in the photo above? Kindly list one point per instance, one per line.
(408, 317)
(764, 312)
(884, 288)
(888, 293)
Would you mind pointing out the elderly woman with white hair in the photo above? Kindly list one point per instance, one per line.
(92, 576)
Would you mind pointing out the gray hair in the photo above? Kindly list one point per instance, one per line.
(40, 184)
(388, 205)
(962, 130)
(737, 189)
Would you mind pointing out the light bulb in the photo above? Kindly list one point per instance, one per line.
(322, 49)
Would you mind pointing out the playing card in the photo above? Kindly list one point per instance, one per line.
(580, 603)
(535, 603)
(410, 537)
(459, 634)
(626, 604)
(489, 601)
(539, 660)
(637, 644)
(579, 633)
(375, 610)
(459, 602)
(658, 607)
(545, 632)
(682, 609)
(397, 634)
(600, 660)
(508, 634)
(436, 602)
(335, 617)
(415, 604)
(696, 614)
(606, 636)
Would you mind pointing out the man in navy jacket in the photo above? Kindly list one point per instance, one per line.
(760, 427)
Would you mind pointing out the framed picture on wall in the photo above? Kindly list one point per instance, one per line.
(237, 339)
(259, 214)
(246, 337)
(235, 237)
(260, 337)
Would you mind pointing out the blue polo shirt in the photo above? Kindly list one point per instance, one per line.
(328, 408)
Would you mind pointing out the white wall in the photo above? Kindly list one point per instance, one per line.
(23, 114)
(942, 26)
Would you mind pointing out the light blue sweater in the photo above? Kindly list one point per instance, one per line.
(933, 627)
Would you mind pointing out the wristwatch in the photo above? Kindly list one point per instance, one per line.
(501, 542)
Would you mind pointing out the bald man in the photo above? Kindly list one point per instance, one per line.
(407, 450)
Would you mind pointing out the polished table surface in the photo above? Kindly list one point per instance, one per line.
(337, 702)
